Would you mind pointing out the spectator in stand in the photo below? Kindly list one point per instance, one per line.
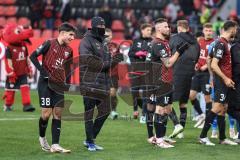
(233, 16)
(35, 12)
(145, 17)
(130, 22)
(81, 29)
(105, 13)
(194, 21)
(49, 13)
(206, 14)
(65, 10)
(172, 9)
(187, 6)
(217, 25)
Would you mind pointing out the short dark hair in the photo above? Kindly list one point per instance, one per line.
(229, 24)
(160, 20)
(145, 25)
(67, 27)
(207, 25)
(183, 23)
(108, 30)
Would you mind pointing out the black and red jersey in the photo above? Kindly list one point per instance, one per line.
(19, 56)
(222, 52)
(54, 57)
(161, 49)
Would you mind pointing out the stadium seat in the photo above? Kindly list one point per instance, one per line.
(117, 25)
(72, 21)
(73, 12)
(118, 35)
(78, 13)
(125, 3)
(99, 3)
(22, 2)
(2, 21)
(10, 2)
(36, 33)
(47, 33)
(11, 11)
(2, 10)
(89, 13)
(11, 20)
(117, 13)
(55, 33)
(22, 11)
(113, 3)
(89, 3)
(24, 21)
(76, 3)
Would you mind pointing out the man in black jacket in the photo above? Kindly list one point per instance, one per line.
(137, 54)
(234, 96)
(95, 62)
(184, 67)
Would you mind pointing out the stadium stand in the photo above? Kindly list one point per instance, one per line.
(19, 11)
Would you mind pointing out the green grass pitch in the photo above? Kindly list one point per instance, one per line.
(121, 139)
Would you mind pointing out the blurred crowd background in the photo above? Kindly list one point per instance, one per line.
(122, 16)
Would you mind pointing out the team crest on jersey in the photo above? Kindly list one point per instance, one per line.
(14, 50)
(163, 53)
(66, 54)
(98, 46)
(220, 52)
(23, 48)
(139, 44)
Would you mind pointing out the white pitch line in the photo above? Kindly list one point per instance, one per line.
(17, 119)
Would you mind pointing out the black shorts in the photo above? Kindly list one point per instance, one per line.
(234, 96)
(21, 80)
(182, 86)
(162, 101)
(200, 83)
(114, 82)
(49, 98)
(221, 91)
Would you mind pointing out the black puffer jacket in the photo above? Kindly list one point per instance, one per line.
(186, 63)
(94, 62)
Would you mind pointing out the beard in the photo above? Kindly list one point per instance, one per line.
(166, 35)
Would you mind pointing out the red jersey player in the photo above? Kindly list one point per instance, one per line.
(200, 81)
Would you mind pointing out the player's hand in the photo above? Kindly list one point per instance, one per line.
(196, 67)
(203, 68)
(30, 72)
(182, 47)
(12, 78)
(229, 83)
(117, 58)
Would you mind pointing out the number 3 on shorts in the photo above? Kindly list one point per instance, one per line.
(45, 101)
(222, 97)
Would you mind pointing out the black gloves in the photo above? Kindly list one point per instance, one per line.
(182, 47)
(117, 58)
